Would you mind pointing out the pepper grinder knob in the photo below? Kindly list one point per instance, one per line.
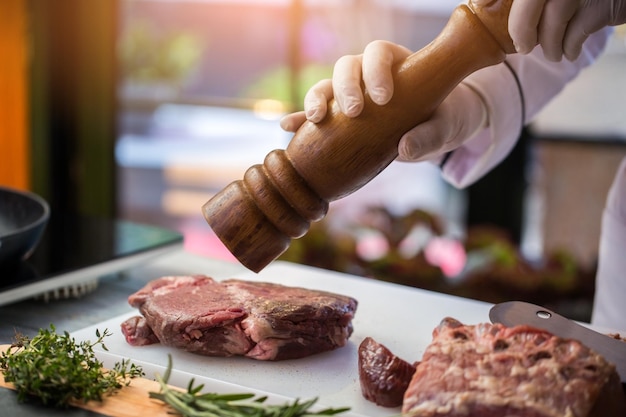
(276, 201)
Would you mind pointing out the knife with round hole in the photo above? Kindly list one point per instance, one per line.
(514, 313)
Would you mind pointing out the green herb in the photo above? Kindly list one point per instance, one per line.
(193, 403)
(57, 369)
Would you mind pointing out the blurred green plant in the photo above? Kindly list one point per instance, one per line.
(277, 84)
(147, 55)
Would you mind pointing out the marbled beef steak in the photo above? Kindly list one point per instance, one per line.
(259, 320)
(491, 370)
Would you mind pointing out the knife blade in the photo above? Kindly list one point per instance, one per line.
(513, 313)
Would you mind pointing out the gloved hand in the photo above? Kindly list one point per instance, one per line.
(459, 116)
(559, 26)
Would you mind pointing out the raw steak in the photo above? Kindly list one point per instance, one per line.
(263, 321)
(383, 376)
(490, 370)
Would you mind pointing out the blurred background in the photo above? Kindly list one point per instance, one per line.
(143, 109)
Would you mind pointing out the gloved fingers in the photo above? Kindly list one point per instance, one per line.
(577, 33)
(372, 69)
(292, 122)
(543, 22)
(316, 100)
(379, 57)
(590, 19)
(315, 106)
(346, 84)
(458, 118)
(524, 19)
(554, 22)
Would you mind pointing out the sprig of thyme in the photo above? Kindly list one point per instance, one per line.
(193, 403)
(57, 369)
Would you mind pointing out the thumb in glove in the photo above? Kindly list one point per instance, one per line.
(457, 119)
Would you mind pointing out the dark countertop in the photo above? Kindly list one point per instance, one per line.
(107, 301)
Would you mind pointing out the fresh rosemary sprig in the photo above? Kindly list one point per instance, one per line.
(193, 403)
(57, 369)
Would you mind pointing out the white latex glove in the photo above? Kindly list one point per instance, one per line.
(457, 119)
(609, 308)
(559, 26)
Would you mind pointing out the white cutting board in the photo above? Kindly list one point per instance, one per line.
(402, 318)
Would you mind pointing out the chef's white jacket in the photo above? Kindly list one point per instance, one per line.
(514, 93)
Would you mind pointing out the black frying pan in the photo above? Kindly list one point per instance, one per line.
(23, 218)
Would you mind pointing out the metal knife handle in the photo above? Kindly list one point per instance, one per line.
(515, 313)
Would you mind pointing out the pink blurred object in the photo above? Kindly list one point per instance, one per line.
(372, 246)
(448, 254)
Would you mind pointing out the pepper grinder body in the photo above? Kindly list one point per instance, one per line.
(276, 201)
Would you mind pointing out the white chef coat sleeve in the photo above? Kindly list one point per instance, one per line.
(609, 307)
(514, 92)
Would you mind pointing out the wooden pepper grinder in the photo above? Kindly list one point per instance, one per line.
(257, 217)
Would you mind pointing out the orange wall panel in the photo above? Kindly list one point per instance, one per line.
(14, 136)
